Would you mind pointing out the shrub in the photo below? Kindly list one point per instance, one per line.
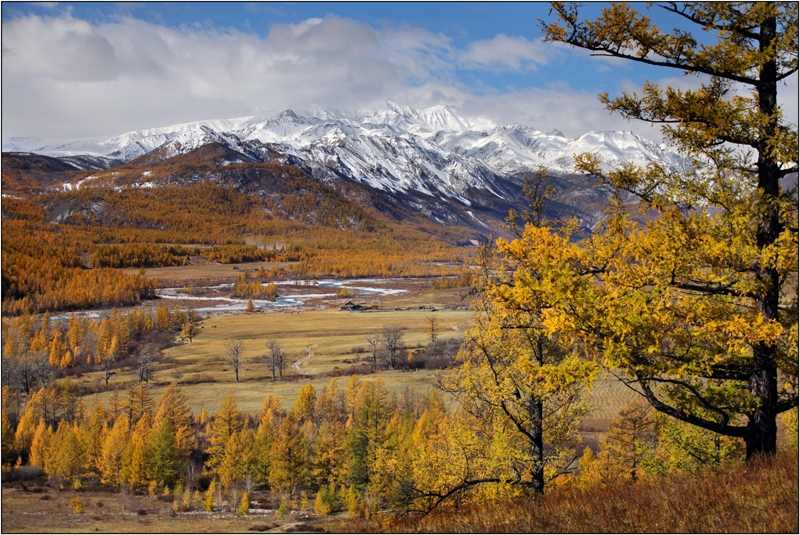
(327, 500)
(76, 503)
(282, 509)
(354, 503)
(244, 506)
(208, 500)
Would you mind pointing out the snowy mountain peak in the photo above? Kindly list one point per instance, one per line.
(433, 151)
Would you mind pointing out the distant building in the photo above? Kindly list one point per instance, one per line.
(350, 306)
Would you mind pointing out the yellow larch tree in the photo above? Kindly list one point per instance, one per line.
(698, 307)
(226, 422)
(114, 448)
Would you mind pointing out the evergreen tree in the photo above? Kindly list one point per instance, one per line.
(366, 433)
(226, 422)
(93, 439)
(134, 461)
(69, 462)
(164, 458)
(290, 457)
(174, 406)
(262, 450)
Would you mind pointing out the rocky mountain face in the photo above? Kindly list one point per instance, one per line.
(447, 168)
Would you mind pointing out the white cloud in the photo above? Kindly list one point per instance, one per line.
(66, 78)
(515, 53)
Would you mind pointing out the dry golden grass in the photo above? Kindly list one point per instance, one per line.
(330, 334)
(204, 375)
(757, 498)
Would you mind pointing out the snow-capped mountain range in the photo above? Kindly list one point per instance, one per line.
(434, 151)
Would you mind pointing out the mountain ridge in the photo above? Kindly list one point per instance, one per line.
(433, 161)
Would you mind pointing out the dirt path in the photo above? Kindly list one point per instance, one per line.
(297, 366)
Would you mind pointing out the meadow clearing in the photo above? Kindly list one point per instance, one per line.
(320, 341)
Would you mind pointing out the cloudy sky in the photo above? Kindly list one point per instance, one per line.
(100, 69)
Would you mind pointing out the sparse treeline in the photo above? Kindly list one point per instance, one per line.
(35, 347)
(360, 448)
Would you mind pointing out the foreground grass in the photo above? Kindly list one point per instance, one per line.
(758, 498)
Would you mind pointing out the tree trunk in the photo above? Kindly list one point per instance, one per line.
(762, 429)
(537, 448)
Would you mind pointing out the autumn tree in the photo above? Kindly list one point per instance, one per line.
(163, 318)
(234, 352)
(274, 358)
(631, 436)
(290, 454)
(109, 347)
(237, 462)
(332, 435)
(373, 339)
(433, 330)
(305, 403)
(139, 402)
(40, 444)
(191, 326)
(697, 307)
(525, 381)
(682, 447)
(392, 338)
(226, 422)
(114, 447)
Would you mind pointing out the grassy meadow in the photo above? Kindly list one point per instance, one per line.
(336, 340)
(334, 337)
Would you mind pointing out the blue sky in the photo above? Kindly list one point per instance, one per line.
(75, 70)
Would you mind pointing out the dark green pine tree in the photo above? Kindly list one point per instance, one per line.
(164, 461)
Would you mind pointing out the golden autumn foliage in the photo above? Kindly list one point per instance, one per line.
(308, 223)
(699, 306)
